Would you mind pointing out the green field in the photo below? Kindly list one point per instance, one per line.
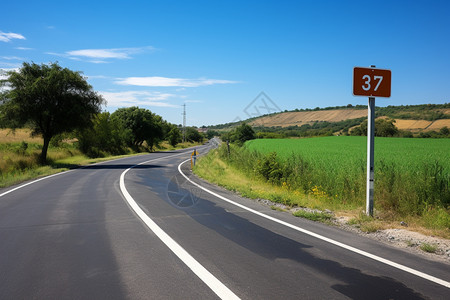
(351, 151)
(412, 176)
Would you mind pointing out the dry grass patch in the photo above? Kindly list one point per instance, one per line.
(19, 135)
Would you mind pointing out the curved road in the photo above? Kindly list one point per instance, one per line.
(85, 234)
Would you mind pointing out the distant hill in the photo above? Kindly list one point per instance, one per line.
(413, 118)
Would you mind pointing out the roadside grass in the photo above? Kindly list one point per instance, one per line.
(214, 169)
(19, 135)
(313, 216)
(428, 248)
(240, 173)
(368, 224)
(166, 146)
(277, 208)
(23, 168)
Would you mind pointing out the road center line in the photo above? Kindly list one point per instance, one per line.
(323, 238)
(212, 282)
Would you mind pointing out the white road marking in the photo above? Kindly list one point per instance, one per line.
(212, 282)
(53, 175)
(323, 238)
(34, 181)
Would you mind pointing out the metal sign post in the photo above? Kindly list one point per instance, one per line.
(371, 82)
(370, 153)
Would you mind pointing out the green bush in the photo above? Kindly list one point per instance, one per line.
(269, 168)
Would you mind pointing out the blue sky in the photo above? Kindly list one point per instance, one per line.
(218, 56)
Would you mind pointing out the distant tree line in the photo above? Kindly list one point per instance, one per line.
(383, 128)
(429, 112)
(132, 127)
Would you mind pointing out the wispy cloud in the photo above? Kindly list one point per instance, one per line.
(170, 82)
(138, 98)
(8, 36)
(102, 55)
(23, 48)
(97, 77)
(11, 58)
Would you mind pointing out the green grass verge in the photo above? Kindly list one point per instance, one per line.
(428, 248)
(242, 171)
(313, 216)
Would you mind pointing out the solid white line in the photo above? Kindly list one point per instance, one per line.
(57, 174)
(34, 181)
(212, 282)
(323, 238)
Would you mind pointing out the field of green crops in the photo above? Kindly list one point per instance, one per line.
(412, 176)
(351, 151)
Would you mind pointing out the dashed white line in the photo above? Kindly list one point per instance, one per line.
(323, 238)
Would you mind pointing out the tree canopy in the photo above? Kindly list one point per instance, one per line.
(142, 125)
(243, 133)
(383, 127)
(49, 99)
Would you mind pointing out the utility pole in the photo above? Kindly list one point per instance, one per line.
(184, 122)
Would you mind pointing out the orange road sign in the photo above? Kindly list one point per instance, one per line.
(371, 82)
(193, 158)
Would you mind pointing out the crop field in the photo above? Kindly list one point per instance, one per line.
(412, 176)
(351, 151)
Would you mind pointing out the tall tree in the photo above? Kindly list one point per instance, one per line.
(143, 125)
(243, 133)
(174, 136)
(48, 98)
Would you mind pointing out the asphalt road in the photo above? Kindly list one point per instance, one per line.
(77, 235)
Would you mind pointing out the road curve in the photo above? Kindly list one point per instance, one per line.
(76, 235)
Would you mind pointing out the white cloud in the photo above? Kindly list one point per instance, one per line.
(137, 98)
(11, 58)
(8, 36)
(23, 48)
(167, 82)
(100, 53)
(97, 76)
(99, 56)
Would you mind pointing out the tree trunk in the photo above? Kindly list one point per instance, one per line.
(43, 158)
